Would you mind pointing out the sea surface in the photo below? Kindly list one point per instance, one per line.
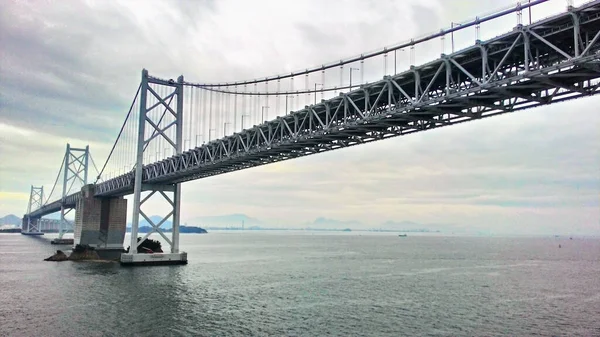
(310, 284)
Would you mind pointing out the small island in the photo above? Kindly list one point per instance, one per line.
(10, 230)
(192, 229)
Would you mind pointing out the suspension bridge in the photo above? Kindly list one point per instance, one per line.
(176, 131)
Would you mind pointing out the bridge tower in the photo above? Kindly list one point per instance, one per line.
(75, 162)
(32, 226)
(167, 96)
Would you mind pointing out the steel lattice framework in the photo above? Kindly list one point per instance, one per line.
(74, 170)
(36, 201)
(550, 61)
(50, 224)
(76, 162)
(174, 110)
(67, 202)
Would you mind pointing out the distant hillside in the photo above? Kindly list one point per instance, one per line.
(229, 220)
(10, 219)
(322, 222)
(182, 229)
(402, 225)
(236, 220)
(156, 219)
(325, 223)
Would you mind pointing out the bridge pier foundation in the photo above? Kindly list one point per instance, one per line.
(137, 258)
(62, 241)
(31, 226)
(100, 223)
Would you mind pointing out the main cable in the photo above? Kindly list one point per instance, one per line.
(56, 181)
(120, 132)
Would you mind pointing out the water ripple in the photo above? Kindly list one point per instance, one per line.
(310, 285)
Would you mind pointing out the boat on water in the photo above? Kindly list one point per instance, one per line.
(402, 235)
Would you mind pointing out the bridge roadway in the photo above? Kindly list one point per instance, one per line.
(550, 61)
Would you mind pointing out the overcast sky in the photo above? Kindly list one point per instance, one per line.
(69, 69)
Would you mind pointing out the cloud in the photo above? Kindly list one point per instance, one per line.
(68, 73)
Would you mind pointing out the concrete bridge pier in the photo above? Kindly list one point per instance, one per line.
(100, 223)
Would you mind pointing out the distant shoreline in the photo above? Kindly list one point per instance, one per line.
(309, 229)
(414, 233)
(200, 230)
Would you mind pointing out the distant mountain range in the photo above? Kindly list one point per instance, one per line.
(401, 225)
(353, 224)
(333, 223)
(229, 220)
(236, 221)
(14, 220)
(156, 219)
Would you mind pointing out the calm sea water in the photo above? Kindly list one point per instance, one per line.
(283, 284)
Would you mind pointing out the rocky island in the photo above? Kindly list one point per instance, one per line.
(87, 253)
(79, 253)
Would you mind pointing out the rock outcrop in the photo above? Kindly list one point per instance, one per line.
(148, 246)
(83, 252)
(59, 256)
(80, 253)
(87, 253)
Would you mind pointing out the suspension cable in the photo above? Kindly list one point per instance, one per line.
(477, 21)
(56, 181)
(93, 163)
(120, 132)
(266, 93)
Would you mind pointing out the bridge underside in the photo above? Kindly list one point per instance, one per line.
(535, 90)
(69, 203)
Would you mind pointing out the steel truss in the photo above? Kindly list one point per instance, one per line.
(67, 202)
(36, 200)
(74, 169)
(175, 109)
(76, 162)
(46, 224)
(550, 61)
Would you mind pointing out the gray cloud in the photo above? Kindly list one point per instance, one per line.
(68, 72)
